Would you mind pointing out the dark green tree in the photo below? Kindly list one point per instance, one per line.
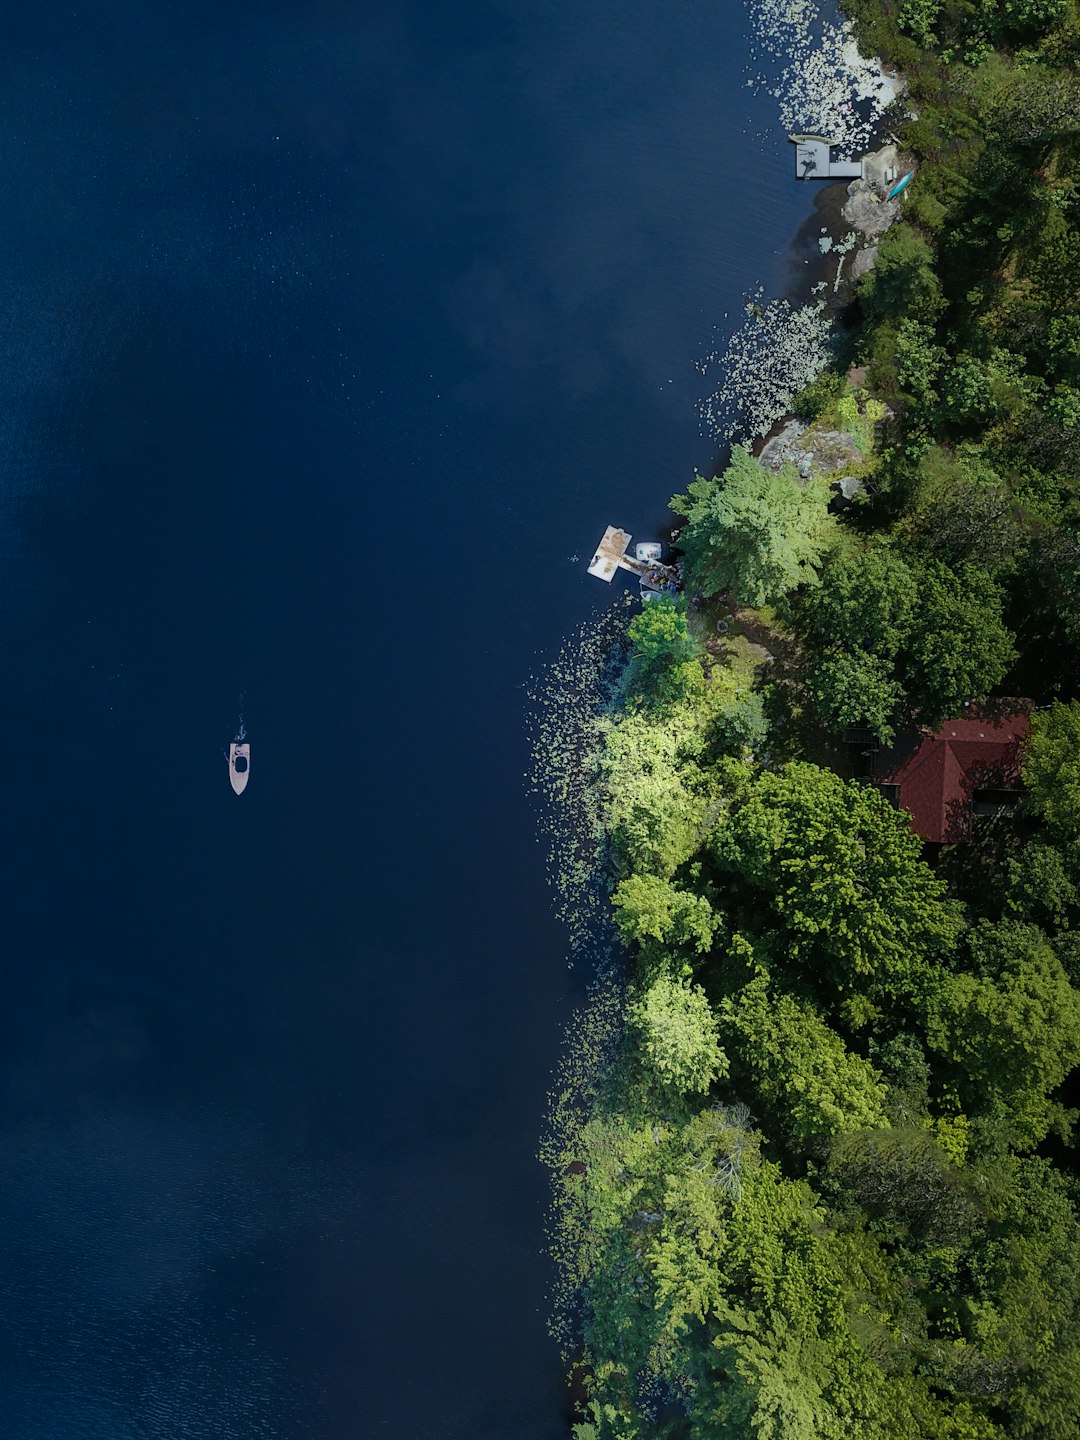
(961, 648)
(843, 879)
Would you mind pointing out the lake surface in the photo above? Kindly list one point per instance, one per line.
(328, 334)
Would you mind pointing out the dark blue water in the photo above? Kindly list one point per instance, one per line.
(328, 332)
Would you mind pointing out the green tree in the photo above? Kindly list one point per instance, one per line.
(799, 1067)
(977, 392)
(1009, 1027)
(851, 687)
(968, 523)
(678, 1034)
(918, 18)
(1031, 1265)
(661, 650)
(843, 876)
(752, 532)
(903, 281)
(856, 621)
(868, 600)
(902, 1174)
(648, 907)
(658, 789)
(1041, 885)
(1052, 768)
(961, 647)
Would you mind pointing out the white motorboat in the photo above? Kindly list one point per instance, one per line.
(239, 765)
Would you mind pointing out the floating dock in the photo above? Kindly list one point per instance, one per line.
(813, 160)
(611, 556)
(653, 575)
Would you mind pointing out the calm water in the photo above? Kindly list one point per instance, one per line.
(328, 333)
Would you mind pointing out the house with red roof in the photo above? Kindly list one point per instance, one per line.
(971, 766)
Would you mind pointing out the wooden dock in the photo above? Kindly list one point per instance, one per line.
(611, 556)
(650, 571)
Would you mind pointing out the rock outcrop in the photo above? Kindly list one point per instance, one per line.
(863, 262)
(811, 452)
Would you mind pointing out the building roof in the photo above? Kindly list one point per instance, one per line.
(937, 774)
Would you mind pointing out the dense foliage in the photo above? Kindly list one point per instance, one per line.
(824, 1186)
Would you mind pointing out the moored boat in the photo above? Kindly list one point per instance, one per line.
(239, 765)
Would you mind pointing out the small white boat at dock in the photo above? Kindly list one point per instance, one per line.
(239, 765)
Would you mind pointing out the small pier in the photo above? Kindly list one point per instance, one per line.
(813, 160)
(653, 575)
(611, 556)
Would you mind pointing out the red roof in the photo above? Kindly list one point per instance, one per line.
(937, 774)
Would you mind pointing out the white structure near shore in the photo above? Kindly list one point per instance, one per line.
(813, 160)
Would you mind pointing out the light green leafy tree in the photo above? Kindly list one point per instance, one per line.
(658, 790)
(648, 907)
(752, 532)
(678, 1034)
(919, 361)
(1009, 1027)
(1052, 768)
(918, 18)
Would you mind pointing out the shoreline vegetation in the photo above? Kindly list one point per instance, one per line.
(814, 1149)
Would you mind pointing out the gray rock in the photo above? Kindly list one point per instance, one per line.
(864, 212)
(864, 262)
(849, 486)
(781, 448)
(819, 452)
(830, 449)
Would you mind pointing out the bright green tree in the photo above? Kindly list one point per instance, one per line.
(658, 789)
(678, 1034)
(1052, 768)
(648, 907)
(662, 650)
(1009, 1027)
(752, 532)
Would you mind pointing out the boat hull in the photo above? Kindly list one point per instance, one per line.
(238, 779)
